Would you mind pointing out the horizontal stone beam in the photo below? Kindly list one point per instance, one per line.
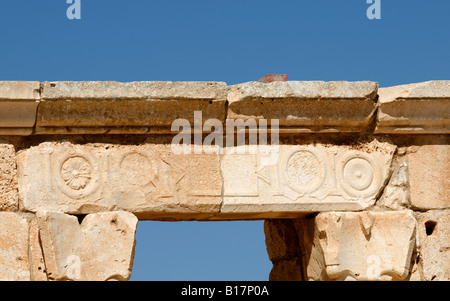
(153, 182)
(34, 108)
(135, 107)
(422, 108)
(302, 106)
(18, 106)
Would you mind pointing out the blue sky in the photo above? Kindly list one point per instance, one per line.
(212, 40)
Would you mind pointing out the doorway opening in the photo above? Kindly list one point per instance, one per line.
(201, 251)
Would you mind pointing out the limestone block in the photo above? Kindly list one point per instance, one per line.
(148, 179)
(414, 108)
(281, 239)
(19, 90)
(310, 251)
(100, 248)
(429, 172)
(283, 248)
(305, 178)
(13, 247)
(365, 245)
(38, 270)
(100, 107)
(286, 270)
(300, 106)
(18, 104)
(396, 193)
(8, 178)
(434, 237)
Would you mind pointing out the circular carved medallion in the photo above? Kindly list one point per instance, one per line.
(304, 171)
(76, 172)
(358, 175)
(137, 168)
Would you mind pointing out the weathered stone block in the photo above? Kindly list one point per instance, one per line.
(38, 270)
(312, 106)
(19, 90)
(284, 249)
(429, 172)
(8, 178)
(414, 108)
(154, 183)
(434, 237)
(13, 247)
(100, 107)
(364, 245)
(18, 104)
(100, 248)
(286, 270)
(305, 178)
(148, 180)
(281, 239)
(396, 193)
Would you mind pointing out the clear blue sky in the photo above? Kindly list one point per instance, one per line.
(215, 40)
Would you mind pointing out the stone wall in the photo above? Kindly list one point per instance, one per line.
(356, 187)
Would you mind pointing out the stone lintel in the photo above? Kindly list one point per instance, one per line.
(18, 104)
(133, 107)
(107, 107)
(155, 183)
(422, 108)
(307, 106)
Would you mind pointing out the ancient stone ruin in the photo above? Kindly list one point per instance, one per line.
(352, 180)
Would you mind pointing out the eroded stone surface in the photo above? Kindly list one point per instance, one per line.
(303, 90)
(13, 247)
(434, 236)
(38, 270)
(364, 245)
(414, 108)
(284, 249)
(19, 90)
(312, 106)
(286, 270)
(429, 172)
(396, 193)
(134, 90)
(8, 178)
(305, 178)
(100, 248)
(18, 105)
(101, 107)
(281, 239)
(148, 180)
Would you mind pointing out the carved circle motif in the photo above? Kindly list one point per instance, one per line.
(358, 175)
(304, 171)
(78, 174)
(138, 169)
